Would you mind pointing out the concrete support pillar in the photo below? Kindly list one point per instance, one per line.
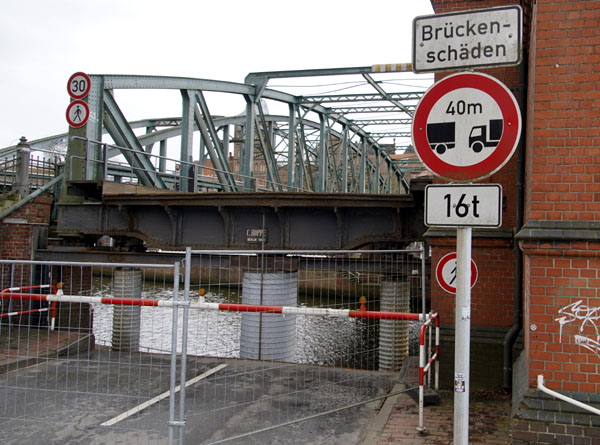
(127, 283)
(393, 334)
(269, 336)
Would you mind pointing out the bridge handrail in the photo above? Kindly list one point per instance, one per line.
(189, 171)
(40, 171)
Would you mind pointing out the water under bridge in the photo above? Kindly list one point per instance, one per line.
(283, 170)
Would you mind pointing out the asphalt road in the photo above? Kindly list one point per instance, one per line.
(66, 401)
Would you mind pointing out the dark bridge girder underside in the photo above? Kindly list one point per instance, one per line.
(174, 220)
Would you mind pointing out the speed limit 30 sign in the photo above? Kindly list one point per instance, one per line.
(78, 85)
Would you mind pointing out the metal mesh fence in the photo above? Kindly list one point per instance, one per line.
(253, 340)
(60, 385)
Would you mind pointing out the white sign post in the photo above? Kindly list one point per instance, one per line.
(462, 344)
(465, 128)
(480, 38)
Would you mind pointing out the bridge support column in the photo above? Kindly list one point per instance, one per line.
(269, 336)
(127, 283)
(393, 334)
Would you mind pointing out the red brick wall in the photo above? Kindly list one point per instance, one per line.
(565, 177)
(563, 192)
(492, 295)
(17, 231)
(565, 172)
(563, 309)
(16, 234)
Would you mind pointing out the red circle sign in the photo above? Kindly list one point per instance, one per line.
(78, 113)
(466, 127)
(445, 273)
(78, 85)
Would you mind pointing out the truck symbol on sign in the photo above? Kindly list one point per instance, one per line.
(486, 135)
(441, 136)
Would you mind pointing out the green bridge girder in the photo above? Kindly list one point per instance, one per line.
(315, 147)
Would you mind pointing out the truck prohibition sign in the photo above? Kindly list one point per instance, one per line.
(466, 127)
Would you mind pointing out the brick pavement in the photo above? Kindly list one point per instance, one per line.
(489, 414)
(489, 423)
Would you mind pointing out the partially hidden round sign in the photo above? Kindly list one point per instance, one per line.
(445, 273)
(466, 127)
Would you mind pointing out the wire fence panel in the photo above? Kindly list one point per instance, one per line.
(266, 347)
(63, 385)
(286, 368)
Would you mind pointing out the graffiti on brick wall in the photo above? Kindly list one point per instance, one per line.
(586, 316)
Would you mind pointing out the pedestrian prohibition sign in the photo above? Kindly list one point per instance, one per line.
(466, 127)
(77, 113)
(445, 273)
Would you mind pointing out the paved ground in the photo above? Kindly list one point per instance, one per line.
(23, 347)
(398, 418)
(392, 420)
(489, 423)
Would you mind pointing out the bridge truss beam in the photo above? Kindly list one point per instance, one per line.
(314, 147)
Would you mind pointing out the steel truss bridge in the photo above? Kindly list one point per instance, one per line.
(245, 158)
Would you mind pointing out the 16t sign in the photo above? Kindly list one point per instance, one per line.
(452, 205)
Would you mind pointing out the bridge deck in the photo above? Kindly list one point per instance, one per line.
(270, 220)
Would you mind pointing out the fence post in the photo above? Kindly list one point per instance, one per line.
(22, 173)
(173, 374)
(184, 335)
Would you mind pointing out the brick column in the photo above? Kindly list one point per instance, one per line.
(18, 233)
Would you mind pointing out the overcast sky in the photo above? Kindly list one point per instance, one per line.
(42, 42)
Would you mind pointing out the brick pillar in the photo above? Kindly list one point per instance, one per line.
(18, 234)
(560, 239)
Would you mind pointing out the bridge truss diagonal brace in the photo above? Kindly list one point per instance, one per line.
(303, 153)
(119, 129)
(187, 138)
(267, 149)
(212, 143)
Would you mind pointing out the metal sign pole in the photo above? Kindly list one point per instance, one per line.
(463, 333)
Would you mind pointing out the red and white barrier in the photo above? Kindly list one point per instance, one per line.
(285, 310)
(425, 362)
(9, 293)
(425, 368)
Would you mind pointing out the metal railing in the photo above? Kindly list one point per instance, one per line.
(174, 173)
(577, 403)
(42, 168)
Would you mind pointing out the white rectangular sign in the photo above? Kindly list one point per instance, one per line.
(475, 205)
(468, 39)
